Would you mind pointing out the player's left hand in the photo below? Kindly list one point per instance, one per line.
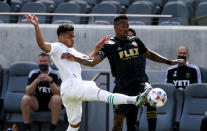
(68, 56)
(178, 61)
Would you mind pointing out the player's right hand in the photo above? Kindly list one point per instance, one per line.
(103, 41)
(33, 19)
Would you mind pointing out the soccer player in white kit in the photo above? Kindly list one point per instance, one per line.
(74, 90)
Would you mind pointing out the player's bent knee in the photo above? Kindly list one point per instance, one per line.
(75, 125)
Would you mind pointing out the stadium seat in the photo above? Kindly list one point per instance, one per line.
(33, 7)
(116, 3)
(190, 5)
(103, 8)
(201, 11)
(18, 74)
(197, 2)
(67, 8)
(49, 4)
(166, 114)
(16, 5)
(180, 96)
(156, 76)
(4, 7)
(85, 8)
(27, 1)
(125, 3)
(157, 2)
(203, 74)
(142, 7)
(58, 1)
(179, 10)
(194, 107)
(92, 2)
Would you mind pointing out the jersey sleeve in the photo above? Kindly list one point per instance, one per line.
(54, 48)
(105, 50)
(142, 48)
(168, 78)
(78, 54)
(30, 78)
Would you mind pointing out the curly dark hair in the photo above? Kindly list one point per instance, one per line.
(120, 17)
(63, 28)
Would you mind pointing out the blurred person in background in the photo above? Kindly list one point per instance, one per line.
(42, 93)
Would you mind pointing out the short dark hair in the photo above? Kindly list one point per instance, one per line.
(44, 54)
(63, 28)
(133, 31)
(120, 17)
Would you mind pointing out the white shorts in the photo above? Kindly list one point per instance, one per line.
(73, 92)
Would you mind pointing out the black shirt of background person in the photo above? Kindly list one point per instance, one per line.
(43, 92)
(181, 76)
(125, 61)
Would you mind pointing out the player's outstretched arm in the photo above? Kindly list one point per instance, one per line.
(87, 62)
(158, 58)
(40, 41)
(99, 45)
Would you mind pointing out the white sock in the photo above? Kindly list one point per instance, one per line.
(72, 129)
(116, 98)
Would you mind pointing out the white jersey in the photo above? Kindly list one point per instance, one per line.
(67, 69)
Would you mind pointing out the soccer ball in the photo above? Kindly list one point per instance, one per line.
(157, 97)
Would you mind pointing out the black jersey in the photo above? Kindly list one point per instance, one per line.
(126, 63)
(181, 76)
(43, 91)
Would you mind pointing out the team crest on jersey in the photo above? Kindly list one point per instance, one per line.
(187, 75)
(134, 43)
(111, 42)
(175, 74)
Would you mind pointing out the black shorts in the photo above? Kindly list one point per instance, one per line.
(133, 89)
(43, 105)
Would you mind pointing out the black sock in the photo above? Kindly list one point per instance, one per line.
(27, 127)
(151, 117)
(52, 127)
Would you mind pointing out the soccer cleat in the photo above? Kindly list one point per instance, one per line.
(142, 97)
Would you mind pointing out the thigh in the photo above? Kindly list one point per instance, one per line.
(34, 103)
(80, 90)
(132, 89)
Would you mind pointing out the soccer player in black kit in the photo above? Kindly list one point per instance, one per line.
(123, 53)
